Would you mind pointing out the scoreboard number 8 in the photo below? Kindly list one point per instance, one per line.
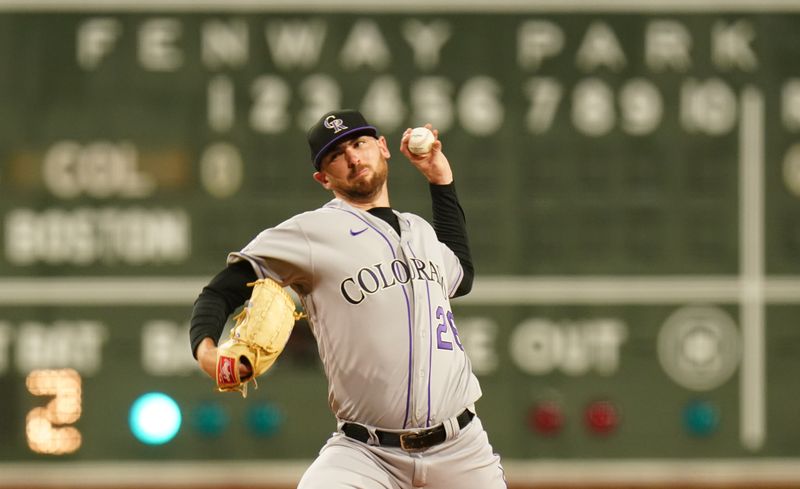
(47, 428)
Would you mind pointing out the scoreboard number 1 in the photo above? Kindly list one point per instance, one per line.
(47, 428)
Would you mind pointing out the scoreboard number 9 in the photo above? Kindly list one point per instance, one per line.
(47, 428)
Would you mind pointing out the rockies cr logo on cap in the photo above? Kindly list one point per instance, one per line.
(332, 128)
(331, 122)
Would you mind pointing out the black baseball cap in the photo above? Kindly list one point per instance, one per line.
(334, 127)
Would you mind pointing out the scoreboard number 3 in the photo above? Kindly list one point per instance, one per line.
(47, 428)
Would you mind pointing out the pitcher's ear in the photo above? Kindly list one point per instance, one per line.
(321, 178)
(384, 147)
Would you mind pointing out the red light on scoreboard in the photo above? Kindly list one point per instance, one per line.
(546, 417)
(602, 417)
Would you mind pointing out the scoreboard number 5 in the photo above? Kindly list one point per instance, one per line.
(47, 428)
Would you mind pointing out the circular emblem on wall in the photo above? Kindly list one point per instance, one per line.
(699, 347)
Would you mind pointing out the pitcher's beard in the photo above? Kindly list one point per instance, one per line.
(366, 189)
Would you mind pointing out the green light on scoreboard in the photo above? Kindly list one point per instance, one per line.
(264, 419)
(209, 419)
(701, 418)
(155, 418)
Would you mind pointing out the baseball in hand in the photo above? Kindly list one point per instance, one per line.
(420, 141)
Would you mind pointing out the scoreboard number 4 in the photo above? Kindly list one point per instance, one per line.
(47, 428)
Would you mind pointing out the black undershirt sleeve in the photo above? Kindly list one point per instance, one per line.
(226, 291)
(450, 225)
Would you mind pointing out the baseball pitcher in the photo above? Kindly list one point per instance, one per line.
(376, 286)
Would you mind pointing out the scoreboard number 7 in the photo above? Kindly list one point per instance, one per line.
(47, 428)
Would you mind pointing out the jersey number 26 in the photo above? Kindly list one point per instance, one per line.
(446, 321)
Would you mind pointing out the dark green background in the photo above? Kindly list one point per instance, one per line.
(559, 203)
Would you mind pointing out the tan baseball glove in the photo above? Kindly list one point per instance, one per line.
(258, 337)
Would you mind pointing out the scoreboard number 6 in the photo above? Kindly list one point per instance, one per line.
(47, 428)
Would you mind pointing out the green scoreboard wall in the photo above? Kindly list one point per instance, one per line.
(631, 180)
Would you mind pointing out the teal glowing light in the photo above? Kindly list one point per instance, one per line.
(209, 419)
(264, 419)
(701, 418)
(155, 418)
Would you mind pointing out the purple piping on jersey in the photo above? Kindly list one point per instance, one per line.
(408, 312)
(430, 343)
(458, 280)
(257, 262)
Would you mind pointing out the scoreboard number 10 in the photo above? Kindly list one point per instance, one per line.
(47, 428)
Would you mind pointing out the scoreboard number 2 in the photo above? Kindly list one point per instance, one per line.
(47, 428)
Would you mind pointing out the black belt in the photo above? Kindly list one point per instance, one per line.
(409, 441)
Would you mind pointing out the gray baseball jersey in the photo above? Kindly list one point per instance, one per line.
(379, 307)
